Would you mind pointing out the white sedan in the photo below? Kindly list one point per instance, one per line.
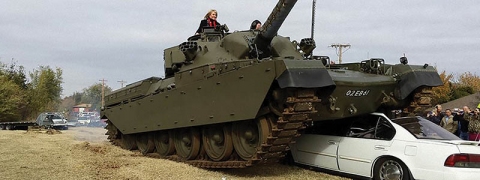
(374, 146)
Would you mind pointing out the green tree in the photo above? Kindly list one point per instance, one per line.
(461, 91)
(77, 97)
(12, 100)
(93, 95)
(469, 79)
(45, 90)
(456, 87)
(14, 73)
(13, 90)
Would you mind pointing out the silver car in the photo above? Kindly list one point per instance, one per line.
(52, 120)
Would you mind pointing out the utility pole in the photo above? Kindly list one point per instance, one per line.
(103, 91)
(121, 82)
(338, 49)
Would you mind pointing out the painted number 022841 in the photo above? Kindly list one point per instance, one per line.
(357, 93)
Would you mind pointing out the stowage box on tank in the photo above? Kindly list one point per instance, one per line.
(232, 100)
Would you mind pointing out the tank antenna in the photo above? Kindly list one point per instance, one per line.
(313, 23)
(313, 18)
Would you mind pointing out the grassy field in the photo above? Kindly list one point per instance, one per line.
(84, 153)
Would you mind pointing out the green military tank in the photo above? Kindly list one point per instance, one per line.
(233, 100)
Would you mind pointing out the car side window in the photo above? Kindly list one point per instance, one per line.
(363, 127)
(371, 127)
(384, 131)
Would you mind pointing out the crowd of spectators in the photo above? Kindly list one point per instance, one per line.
(464, 122)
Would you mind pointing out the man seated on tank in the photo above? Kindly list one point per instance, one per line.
(256, 25)
(210, 20)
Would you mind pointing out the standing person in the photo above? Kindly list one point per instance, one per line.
(436, 115)
(448, 123)
(256, 25)
(474, 126)
(210, 20)
(462, 123)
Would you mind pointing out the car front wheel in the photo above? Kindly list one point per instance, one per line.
(390, 169)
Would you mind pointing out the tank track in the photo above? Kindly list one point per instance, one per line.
(422, 99)
(283, 130)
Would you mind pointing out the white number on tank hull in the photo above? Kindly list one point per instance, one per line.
(357, 93)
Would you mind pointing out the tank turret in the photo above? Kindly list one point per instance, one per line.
(215, 45)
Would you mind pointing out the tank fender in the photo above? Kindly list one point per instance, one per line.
(414, 79)
(303, 74)
(305, 78)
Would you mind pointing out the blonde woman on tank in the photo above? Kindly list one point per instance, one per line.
(210, 20)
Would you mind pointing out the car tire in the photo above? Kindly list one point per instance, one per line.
(9, 127)
(390, 168)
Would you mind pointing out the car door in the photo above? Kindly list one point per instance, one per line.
(369, 137)
(319, 143)
(317, 150)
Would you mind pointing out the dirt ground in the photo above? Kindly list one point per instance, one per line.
(84, 153)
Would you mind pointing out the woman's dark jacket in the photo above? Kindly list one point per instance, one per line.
(207, 23)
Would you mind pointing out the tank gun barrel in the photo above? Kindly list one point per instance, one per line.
(270, 27)
(276, 18)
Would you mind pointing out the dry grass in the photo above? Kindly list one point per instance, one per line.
(84, 153)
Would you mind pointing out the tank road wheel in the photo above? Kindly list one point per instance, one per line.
(248, 136)
(164, 143)
(187, 143)
(217, 141)
(2, 127)
(128, 142)
(145, 143)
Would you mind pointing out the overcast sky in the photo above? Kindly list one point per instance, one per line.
(124, 40)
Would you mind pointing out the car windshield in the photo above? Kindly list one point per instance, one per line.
(422, 128)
